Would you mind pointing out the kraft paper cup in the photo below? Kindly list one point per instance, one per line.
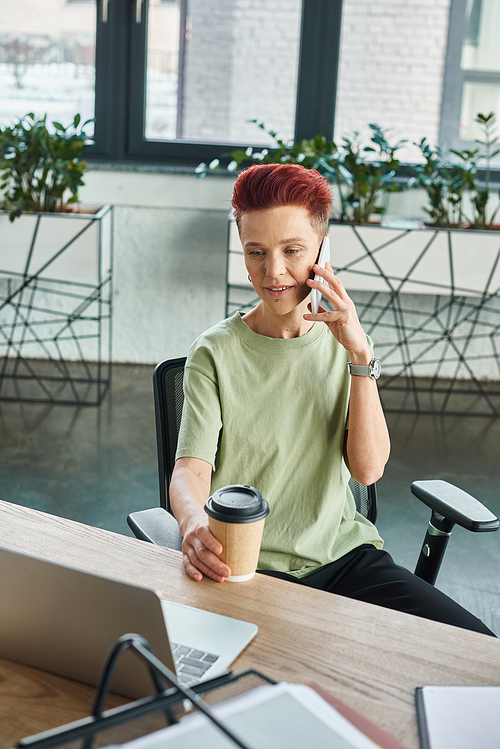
(236, 517)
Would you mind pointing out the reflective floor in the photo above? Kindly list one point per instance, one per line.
(96, 465)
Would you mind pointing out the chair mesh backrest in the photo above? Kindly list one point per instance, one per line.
(169, 399)
(174, 400)
(365, 498)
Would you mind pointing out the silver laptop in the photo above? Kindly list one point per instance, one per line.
(64, 620)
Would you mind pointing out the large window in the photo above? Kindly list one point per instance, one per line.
(201, 70)
(472, 76)
(47, 59)
(172, 81)
(212, 66)
(177, 81)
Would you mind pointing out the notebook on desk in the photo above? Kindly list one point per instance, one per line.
(64, 620)
(458, 717)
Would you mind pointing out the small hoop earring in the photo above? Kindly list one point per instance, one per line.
(248, 276)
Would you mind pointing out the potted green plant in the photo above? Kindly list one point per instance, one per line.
(445, 183)
(55, 268)
(443, 257)
(481, 218)
(39, 167)
(314, 153)
(363, 175)
(448, 183)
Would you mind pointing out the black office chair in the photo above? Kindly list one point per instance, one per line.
(449, 505)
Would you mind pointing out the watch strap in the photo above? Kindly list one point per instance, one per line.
(361, 370)
(365, 370)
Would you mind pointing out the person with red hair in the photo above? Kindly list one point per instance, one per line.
(286, 401)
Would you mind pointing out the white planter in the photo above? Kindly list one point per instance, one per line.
(419, 261)
(430, 299)
(55, 306)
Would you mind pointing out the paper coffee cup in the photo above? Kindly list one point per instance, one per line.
(236, 517)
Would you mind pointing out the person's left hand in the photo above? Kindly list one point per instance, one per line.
(343, 321)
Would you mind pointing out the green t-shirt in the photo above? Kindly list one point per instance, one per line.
(272, 413)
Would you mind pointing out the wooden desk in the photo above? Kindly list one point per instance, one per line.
(371, 658)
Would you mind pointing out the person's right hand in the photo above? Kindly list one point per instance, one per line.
(200, 549)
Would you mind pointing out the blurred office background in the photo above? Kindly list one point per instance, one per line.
(172, 83)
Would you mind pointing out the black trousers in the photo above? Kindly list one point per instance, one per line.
(371, 575)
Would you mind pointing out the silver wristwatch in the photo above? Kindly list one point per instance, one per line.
(372, 369)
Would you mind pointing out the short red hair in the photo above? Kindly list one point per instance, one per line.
(263, 186)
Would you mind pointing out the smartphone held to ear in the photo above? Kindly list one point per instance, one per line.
(323, 259)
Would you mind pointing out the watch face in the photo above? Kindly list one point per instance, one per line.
(376, 368)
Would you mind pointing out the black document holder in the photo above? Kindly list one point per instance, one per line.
(138, 718)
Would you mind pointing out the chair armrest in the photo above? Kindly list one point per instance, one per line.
(456, 505)
(157, 526)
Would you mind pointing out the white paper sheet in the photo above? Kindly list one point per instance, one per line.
(281, 716)
(462, 717)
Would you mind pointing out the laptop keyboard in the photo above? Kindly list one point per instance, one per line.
(191, 664)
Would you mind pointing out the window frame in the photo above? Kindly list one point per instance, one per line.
(453, 81)
(121, 85)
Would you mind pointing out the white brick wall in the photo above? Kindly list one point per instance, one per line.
(241, 63)
(268, 48)
(209, 51)
(391, 67)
